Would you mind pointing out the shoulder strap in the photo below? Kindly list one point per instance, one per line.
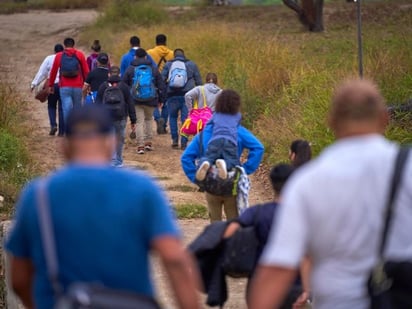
(202, 90)
(396, 182)
(162, 59)
(47, 236)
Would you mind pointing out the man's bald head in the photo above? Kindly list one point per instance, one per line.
(358, 108)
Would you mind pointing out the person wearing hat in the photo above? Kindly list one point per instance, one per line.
(98, 76)
(99, 214)
(145, 108)
(53, 99)
(119, 119)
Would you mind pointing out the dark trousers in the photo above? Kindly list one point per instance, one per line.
(54, 103)
(222, 148)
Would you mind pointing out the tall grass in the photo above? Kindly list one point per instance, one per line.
(285, 75)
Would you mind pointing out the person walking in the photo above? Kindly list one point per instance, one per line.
(92, 58)
(205, 95)
(53, 99)
(115, 96)
(72, 68)
(96, 78)
(181, 75)
(195, 151)
(333, 209)
(147, 89)
(160, 55)
(98, 215)
(300, 153)
(128, 57)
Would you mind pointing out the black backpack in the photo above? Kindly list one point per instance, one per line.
(114, 100)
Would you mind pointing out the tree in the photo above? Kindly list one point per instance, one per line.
(310, 13)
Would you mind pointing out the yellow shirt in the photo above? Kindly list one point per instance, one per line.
(161, 54)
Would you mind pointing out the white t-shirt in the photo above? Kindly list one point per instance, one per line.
(333, 210)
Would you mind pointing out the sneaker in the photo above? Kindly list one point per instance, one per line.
(221, 168)
(202, 171)
(140, 150)
(53, 131)
(160, 123)
(148, 147)
(175, 145)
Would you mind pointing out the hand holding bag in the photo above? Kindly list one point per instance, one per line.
(41, 92)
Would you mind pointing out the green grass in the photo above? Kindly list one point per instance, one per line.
(191, 211)
(284, 74)
(182, 188)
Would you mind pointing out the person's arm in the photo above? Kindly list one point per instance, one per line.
(255, 147)
(161, 87)
(130, 105)
(54, 70)
(123, 65)
(190, 97)
(189, 157)
(42, 73)
(165, 72)
(127, 78)
(181, 270)
(270, 286)
(21, 277)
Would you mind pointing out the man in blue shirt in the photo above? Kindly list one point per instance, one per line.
(128, 57)
(105, 222)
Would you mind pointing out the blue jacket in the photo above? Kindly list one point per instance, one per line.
(128, 58)
(246, 140)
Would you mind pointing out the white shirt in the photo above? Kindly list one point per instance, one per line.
(44, 71)
(333, 210)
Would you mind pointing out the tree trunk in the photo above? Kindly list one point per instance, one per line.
(310, 13)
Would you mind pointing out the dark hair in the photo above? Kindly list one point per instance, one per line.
(114, 70)
(134, 41)
(211, 78)
(302, 151)
(161, 39)
(228, 102)
(140, 53)
(96, 46)
(58, 48)
(68, 42)
(179, 52)
(279, 174)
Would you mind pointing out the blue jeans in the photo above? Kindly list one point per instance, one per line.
(222, 148)
(54, 103)
(120, 131)
(70, 98)
(174, 105)
(161, 114)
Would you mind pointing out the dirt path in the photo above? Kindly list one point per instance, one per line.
(26, 40)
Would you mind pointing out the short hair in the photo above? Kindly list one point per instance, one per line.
(140, 53)
(96, 46)
(134, 41)
(356, 100)
(179, 52)
(279, 174)
(161, 39)
(228, 102)
(68, 42)
(58, 48)
(114, 70)
(211, 78)
(302, 151)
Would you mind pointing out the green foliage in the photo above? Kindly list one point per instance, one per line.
(191, 211)
(12, 152)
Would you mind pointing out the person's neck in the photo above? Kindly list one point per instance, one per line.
(356, 132)
(91, 160)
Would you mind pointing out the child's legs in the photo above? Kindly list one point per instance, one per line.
(229, 153)
(214, 151)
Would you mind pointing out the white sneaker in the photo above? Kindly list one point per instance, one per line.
(202, 171)
(221, 168)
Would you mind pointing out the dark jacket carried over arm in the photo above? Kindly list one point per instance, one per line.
(158, 81)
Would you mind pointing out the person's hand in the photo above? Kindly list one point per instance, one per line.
(133, 127)
(302, 301)
(160, 105)
(51, 90)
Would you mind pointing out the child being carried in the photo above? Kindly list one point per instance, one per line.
(222, 149)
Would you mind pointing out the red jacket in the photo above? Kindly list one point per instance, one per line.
(75, 82)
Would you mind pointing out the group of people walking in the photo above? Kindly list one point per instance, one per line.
(320, 239)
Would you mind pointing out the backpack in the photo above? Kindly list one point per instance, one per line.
(143, 87)
(178, 74)
(93, 63)
(69, 65)
(113, 100)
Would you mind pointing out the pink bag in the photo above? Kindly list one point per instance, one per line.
(196, 121)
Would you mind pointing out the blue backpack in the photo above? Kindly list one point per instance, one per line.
(69, 65)
(143, 88)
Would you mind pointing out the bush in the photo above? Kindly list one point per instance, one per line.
(12, 153)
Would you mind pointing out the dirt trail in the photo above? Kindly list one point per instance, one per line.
(26, 40)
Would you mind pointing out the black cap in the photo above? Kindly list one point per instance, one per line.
(89, 121)
(140, 53)
(58, 48)
(114, 79)
(103, 58)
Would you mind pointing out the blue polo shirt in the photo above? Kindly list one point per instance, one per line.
(105, 221)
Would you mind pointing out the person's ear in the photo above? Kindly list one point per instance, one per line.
(385, 119)
(66, 149)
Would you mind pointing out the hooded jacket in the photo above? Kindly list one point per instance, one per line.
(160, 55)
(246, 140)
(208, 91)
(193, 77)
(72, 82)
(157, 79)
(128, 58)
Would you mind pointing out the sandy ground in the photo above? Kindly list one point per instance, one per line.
(26, 40)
